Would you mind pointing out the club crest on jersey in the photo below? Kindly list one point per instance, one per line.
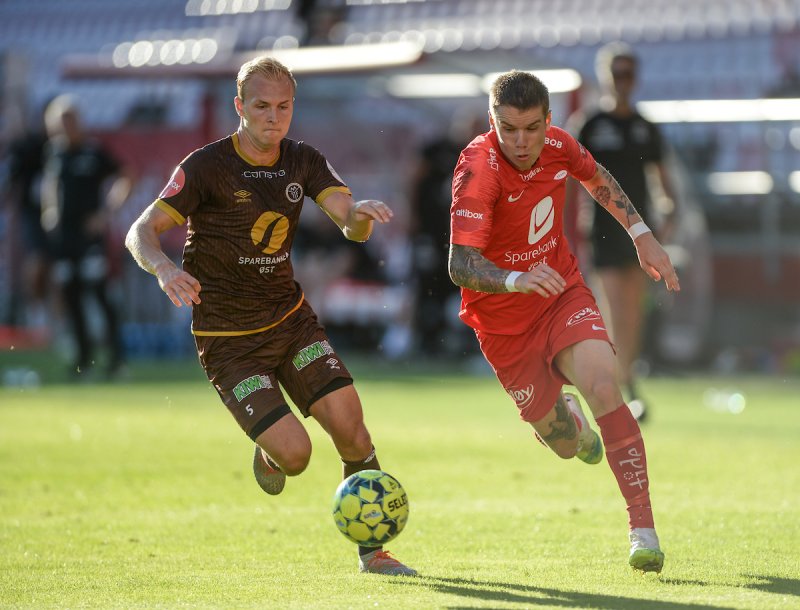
(294, 192)
(587, 313)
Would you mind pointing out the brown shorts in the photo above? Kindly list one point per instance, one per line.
(246, 369)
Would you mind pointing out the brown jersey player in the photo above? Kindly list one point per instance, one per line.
(255, 334)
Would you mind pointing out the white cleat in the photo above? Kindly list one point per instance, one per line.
(646, 552)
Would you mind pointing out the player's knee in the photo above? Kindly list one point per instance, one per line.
(294, 464)
(603, 395)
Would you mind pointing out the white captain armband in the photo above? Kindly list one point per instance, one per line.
(512, 277)
(640, 228)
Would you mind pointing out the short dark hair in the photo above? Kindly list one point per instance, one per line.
(520, 90)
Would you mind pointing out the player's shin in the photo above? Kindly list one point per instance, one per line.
(348, 468)
(626, 456)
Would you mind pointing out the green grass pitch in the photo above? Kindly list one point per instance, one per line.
(140, 495)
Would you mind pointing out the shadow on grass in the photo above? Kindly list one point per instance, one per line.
(541, 596)
(773, 584)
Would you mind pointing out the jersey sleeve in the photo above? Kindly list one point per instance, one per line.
(476, 187)
(581, 163)
(183, 192)
(321, 178)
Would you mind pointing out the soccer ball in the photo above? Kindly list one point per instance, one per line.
(370, 507)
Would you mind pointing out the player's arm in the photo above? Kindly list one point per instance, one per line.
(144, 244)
(652, 257)
(355, 218)
(470, 269)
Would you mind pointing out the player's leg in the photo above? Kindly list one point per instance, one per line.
(340, 414)
(320, 385)
(241, 369)
(624, 288)
(590, 366)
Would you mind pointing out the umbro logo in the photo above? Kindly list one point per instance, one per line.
(243, 196)
(512, 199)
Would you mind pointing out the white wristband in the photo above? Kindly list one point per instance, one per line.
(512, 277)
(638, 229)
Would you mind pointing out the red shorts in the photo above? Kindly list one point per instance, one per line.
(524, 363)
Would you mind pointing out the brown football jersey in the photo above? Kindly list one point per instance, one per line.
(242, 218)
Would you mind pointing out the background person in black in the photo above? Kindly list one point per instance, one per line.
(76, 203)
(630, 147)
(255, 333)
(25, 166)
(437, 327)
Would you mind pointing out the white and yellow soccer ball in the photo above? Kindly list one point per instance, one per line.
(370, 508)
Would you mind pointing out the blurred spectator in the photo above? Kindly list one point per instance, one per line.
(437, 327)
(25, 165)
(629, 147)
(76, 206)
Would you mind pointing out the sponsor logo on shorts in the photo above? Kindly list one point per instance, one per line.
(522, 396)
(294, 192)
(587, 313)
(250, 385)
(310, 353)
(596, 327)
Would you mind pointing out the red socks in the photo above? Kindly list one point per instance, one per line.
(626, 457)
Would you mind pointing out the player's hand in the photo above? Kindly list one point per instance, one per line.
(655, 261)
(543, 280)
(371, 209)
(180, 287)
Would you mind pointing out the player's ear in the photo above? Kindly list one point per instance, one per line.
(491, 120)
(237, 103)
(548, 118)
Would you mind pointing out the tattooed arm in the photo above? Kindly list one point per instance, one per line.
(652, 257)
(470, 269)
(606, 191)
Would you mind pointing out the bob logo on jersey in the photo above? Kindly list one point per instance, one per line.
(175, 184)
(587, 313)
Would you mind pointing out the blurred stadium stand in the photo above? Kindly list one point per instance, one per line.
(154, 80)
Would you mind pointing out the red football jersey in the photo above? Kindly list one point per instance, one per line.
(516, 219)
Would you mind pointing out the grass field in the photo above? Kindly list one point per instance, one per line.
(140, 495)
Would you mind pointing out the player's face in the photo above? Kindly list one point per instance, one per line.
(520, 133)
(266, 110)
(623, 75)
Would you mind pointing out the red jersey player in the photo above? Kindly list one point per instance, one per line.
(537, 322)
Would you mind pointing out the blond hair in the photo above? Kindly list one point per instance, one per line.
(268, 67)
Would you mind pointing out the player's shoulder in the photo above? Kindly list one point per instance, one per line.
(558, 140)
(481, 150)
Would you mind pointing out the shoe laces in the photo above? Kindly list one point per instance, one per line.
(384, 557)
